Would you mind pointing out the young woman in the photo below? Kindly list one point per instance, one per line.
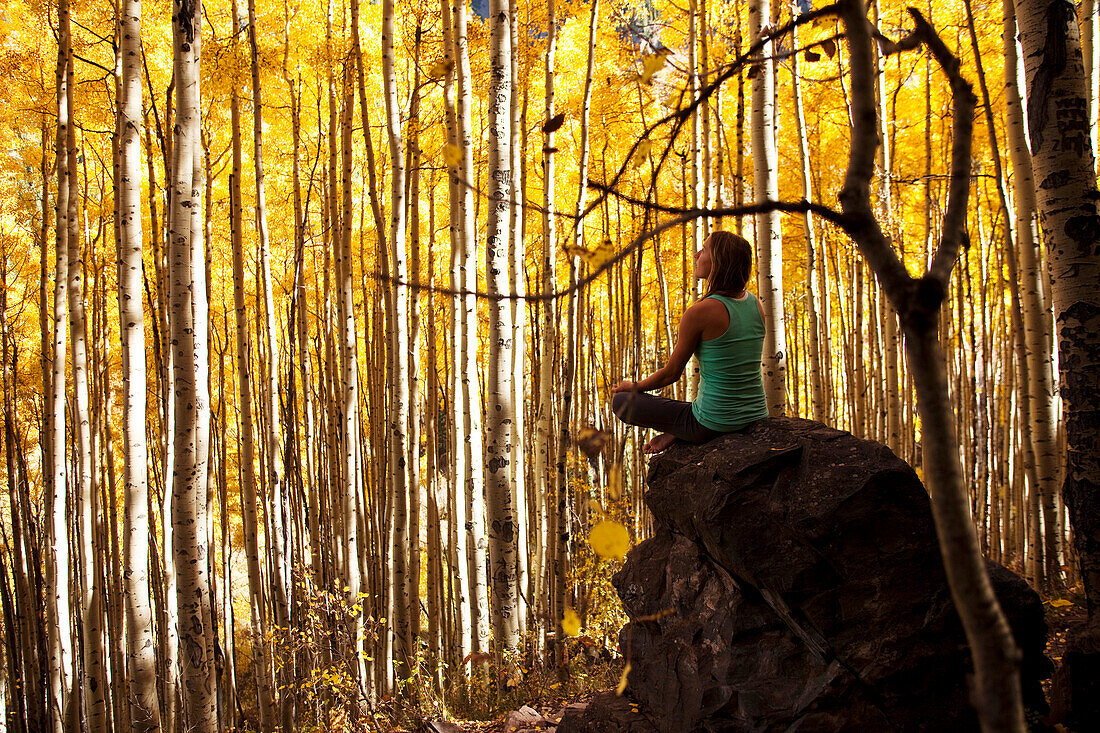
(725, 332)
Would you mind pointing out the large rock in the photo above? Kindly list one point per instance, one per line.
(794, 583)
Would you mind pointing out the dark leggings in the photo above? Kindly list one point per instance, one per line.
(668, 416)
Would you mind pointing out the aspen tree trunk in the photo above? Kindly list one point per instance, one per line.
(474, 481)
(769, 245)
(886, 314)
(698, 225)
(229, 678)
(996, 658)
(57, 568)
(500, 407)
(437, 602)
(1066, 187)
(192, 406)
(813, 293)
(305, 445)
(563, 513)
(517, 220)
(412, 345)
(548, 339)
(1042, 410)
(141, 661)
(1090, 57)
(20, 611)
(349, 378)
(404, 651)
(456, 511)
(249, 520)
(279, 574)
(1019, 230)
(92, 677)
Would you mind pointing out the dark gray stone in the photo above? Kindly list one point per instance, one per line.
(794, 583)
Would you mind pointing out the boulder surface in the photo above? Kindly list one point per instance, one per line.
(794, 583)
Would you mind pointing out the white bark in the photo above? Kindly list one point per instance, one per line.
(769, 243)
(474, 480)
(404, 651)
(500, 407)
(187, 292)
(57, 568)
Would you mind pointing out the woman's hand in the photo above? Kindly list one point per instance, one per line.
(624, 386)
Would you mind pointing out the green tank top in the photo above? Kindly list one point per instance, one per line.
(731, 388)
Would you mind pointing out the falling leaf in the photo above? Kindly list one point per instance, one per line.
(590, 440)
(641, 153)
(554, 123)
(621, 687)
(657, 616)
(573, 250)
(813, 56)
(477, 657)
(571, 622)
(609, 539)
(441, 68)
(615, 482)
(653, 63)
(1061, 603)
(452, 155)
(601, 255)
(829, 47)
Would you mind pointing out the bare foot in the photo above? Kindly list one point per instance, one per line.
(658, 444)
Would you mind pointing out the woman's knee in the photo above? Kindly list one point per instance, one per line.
(620, 404)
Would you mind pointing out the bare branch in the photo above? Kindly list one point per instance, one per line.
(962, 130)
(790, 207)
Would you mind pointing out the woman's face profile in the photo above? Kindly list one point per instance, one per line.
(703, 261)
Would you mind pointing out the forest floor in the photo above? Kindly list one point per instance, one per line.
(551, 701)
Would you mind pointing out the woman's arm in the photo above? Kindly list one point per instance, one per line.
(691, 327)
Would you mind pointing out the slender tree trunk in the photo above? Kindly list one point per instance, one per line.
(1041, 417)
(57, 568)
(768, 233)
(141, 662)
(500, 407)
(276, 481)
(249, 520)
(456, 525)
(547, 343)
(192, 393)
(813, 293)
(474, 481)
(404, 652)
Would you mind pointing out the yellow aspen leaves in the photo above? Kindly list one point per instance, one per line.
(609, 539)
(452, 155)
(621, 687)
(641, 153)
(571, 622)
